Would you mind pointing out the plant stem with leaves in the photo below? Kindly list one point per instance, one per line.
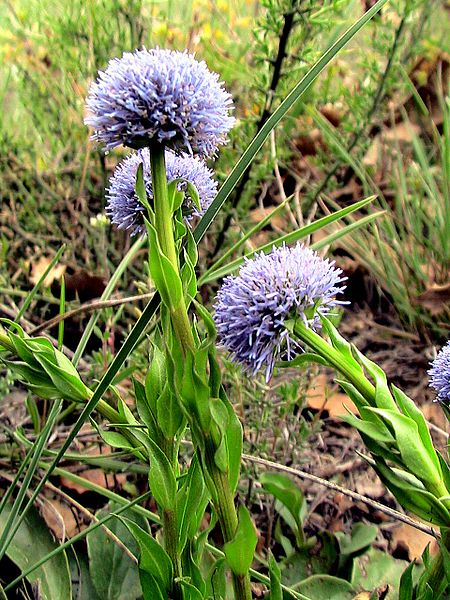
(221, 492)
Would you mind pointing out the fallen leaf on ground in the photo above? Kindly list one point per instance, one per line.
(435, 298)
(95, 475)
(413, 540)
(38, 269)
(59, 519)
(322, 397)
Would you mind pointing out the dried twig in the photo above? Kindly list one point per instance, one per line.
(338, 488)
(88, 307)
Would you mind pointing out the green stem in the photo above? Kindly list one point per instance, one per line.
(170, 525)
(170, 528)
(224, 505)
(223, 497)
(335, 359)
(164, 228)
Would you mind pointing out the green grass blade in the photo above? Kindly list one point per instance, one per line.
(343, 231)
(248, 235)
(29, 299)
(293, 236)
(62, 308)
(13, 522)
(276, 117)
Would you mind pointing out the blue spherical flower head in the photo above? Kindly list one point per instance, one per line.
(440, 374)
(123, 206)
(160, 95)
(252, 307)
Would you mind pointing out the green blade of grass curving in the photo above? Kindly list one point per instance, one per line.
(288, 238)
(343, 231)
(276, 117)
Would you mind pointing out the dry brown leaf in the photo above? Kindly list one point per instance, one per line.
(402, 132)
(38, 269)
(322, 397)
(413, 540)
(96, 476)
(435, 298)
(260, 213)
(59, 519)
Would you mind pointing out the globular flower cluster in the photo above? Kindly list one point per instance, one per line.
(440, 374)
(160, 95)
(253, 307)
(123, 205)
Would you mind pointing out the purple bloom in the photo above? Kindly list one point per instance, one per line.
(123, 206)
(252, 307)
(440, 373)
(160, 95)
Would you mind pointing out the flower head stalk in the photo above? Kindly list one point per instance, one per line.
(163, 96)
(253, 307)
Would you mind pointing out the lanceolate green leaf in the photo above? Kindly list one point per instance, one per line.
(276, 592)
(410, 409)
(286, 492)
(113, 573)
(161, 478)
(153, 558)
(239, 552)
(413, 452)
(277, 116)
